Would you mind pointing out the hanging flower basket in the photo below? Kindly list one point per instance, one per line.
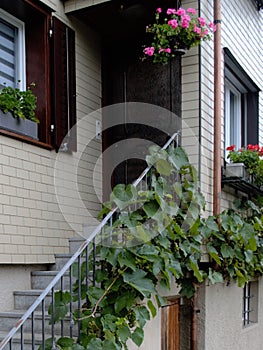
(176, 33)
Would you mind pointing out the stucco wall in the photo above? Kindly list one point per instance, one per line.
(223, 322)
(13, 278)
(33, 225)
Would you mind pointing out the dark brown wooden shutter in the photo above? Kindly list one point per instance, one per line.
(64, 86)
(252, 118)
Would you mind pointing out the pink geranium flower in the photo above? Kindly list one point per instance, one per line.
(149, 51)
(202, 21)
(159, 10)
(173, 23)
(191, 10)
(204, 33)
(197, 30)
(171, 12)
(185, 23)
(212, 26)
(180, 12)
(168, 50)
(186, 18)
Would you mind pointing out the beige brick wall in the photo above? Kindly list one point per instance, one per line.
(33, 225)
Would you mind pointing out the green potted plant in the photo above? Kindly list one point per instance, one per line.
(17, 111)
(246, 162)
(178, 32)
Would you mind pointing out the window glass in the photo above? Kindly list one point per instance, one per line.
(12, 51)
(232, 116)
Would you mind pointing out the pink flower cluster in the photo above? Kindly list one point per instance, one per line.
(182, 27)
(149, 51)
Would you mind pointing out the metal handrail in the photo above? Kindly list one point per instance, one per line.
(50, 288)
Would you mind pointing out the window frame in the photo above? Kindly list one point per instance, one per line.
(233, 119)
(237, 80)
(250, 303)
(20, 64)
(40, 45)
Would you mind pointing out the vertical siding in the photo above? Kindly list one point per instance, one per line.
(33, 225)
(207, 111)
(245, 24)
(190, 99)
(242, 28)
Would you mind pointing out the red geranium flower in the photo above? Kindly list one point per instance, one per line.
(231, 148)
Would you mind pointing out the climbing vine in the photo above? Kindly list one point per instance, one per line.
(163, 236)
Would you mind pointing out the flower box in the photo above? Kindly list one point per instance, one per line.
(20, 126)
(237, 170)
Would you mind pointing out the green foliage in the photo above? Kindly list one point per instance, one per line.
(165, 235)
(22, 104)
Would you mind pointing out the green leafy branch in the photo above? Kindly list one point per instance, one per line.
(154, 243)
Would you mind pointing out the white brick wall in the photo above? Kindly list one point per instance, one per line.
(32, 226)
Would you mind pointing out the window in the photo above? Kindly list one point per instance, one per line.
(241, 105)
(250, 303)
(47, 59)
(12, 51)
(233, 113)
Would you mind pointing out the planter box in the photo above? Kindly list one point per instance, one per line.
(20, 126)
(236, 170)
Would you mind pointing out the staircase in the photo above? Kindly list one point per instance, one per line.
(30, 326)
(23, 299)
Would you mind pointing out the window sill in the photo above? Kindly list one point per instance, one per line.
(25, 139)
(250, 327)
(241, 184)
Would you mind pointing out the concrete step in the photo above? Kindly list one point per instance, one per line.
(41, 279)
(61, 260)
(23, 299)
(75, 243)
(27, 344)
(9, 319)
(16, 341)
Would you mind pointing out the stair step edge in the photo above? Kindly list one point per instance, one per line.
(31, 292)
(46, 273)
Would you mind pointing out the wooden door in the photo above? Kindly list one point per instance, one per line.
(127, 79)
(171, 326)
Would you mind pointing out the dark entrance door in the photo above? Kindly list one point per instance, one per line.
(126, 78)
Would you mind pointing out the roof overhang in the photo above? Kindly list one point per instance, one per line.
(76, 5)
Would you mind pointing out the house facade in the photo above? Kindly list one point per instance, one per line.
(82, 56)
